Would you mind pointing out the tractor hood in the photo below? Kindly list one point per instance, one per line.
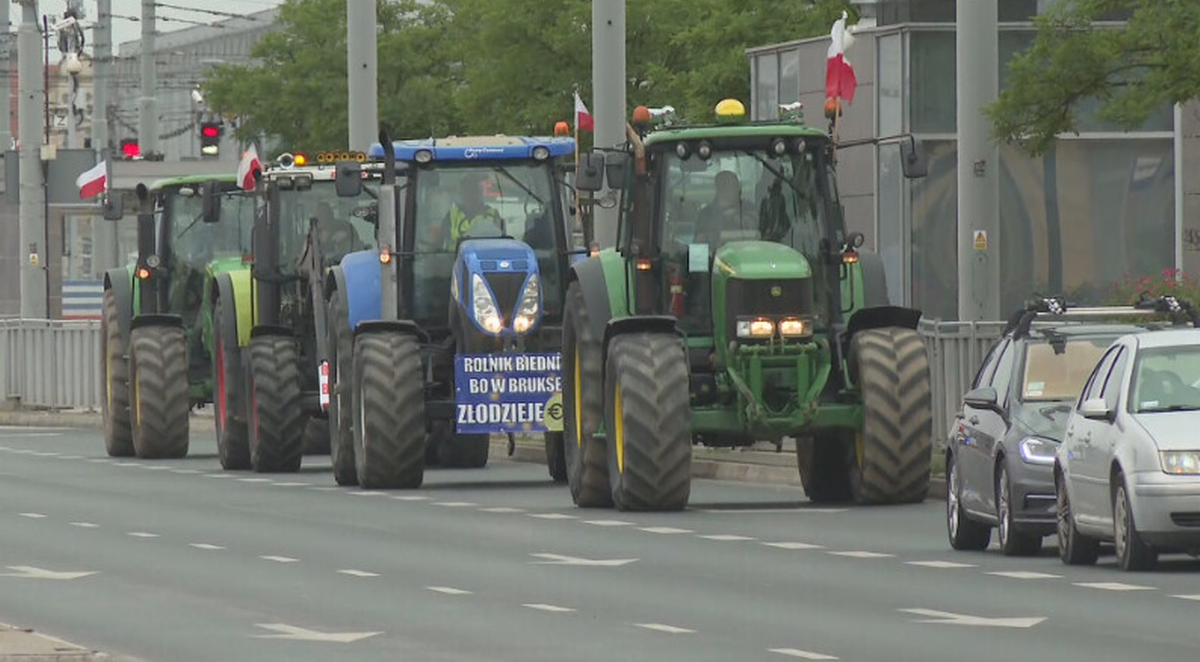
(495, 249)
(756, 260)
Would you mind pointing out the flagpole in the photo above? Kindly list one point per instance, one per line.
(578, 205)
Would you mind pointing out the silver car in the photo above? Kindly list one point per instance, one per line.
(1128, 469)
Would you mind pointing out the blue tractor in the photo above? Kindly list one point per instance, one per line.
(449, 331)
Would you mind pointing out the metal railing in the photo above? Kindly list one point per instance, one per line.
(955, 351)
(50, 363)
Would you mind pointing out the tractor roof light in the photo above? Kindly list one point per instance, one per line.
(704, 150)
(423, 156)
(300, 160)
(153, 261)
(641, 116)
(286, 160)
(730, 111)
(562, 129)
(683, 150)
(778, 147)
(541, 153)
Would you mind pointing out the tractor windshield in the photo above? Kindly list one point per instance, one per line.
(344, 225)
(196, 243)
(739, 195)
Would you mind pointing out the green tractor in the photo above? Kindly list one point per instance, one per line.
(155, 341)
(736, 308)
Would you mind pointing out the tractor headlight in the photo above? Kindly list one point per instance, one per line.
(794, 327)
(755, 328)
(484, 306)
(529, 307)
(1180, 462)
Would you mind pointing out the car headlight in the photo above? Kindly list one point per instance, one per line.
(530, 305)
(755, 328)
(1182, 463)
(485, 306)
(1036, 450)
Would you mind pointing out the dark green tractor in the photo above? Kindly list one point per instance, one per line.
(736, 308)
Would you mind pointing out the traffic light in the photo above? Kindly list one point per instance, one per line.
(210, 138)
(130, 148)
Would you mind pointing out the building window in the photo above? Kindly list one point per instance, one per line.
(767, 87)
(789, 76)
(891, 81)
(932, 84)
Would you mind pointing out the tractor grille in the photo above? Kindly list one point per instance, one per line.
(506, 286)
(774, 298)
(493, 265)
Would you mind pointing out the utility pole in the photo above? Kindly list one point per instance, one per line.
(362, 73)
(979, 240)
(6, 136)
(105, 232)
(148, 104)
(33, 194)
(608, 92)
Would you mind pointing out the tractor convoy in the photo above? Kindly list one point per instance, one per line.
(402, 307)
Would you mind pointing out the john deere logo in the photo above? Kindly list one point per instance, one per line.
(776, 291)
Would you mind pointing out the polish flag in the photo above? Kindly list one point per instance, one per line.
(840, 81)
(247, 167)
(93, 182)
(583, 118)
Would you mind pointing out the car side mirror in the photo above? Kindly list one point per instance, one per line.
(984, 397)
(114, 206)
(348, 180)
(615, 166)
(589, 176)
(1095, 410)
(912, 159)
(210, 202)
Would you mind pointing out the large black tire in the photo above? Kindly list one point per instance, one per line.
(648, 421)
(1074, 548)
(341, 406)
(583, 400)
(1133, 553)
(389, 421)
(893, 453)
(824, 464)
(229, 397)
(556, 460)
(114, 366)
(316, 436)
(159, 376)
(966, 534)
(276, 417)
(463, 451)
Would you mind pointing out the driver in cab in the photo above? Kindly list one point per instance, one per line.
(469, 209)
(726, 211)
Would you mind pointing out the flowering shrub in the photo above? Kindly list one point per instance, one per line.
(1174, 282)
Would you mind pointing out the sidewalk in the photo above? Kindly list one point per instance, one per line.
(24, 645)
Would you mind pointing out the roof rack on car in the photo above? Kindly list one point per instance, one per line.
(1180, 311)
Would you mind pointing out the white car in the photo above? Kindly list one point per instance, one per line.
(1128, 469)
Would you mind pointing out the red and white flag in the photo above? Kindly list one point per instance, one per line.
(93, 182)
(583, 118)
(247, 167)
(840, 81)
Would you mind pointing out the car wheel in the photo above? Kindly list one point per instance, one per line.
(1074, 548)
(965, 533)
(1013, 542)
(1132, 552)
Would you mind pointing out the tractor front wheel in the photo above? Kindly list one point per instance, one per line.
(160, 407)
(233, 449)
(114, 365)
(341, 407)
(276, 416)
(556, 460)
(583, 397)
(389, 420)
(824, 463)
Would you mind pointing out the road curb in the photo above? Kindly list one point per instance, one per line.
(19, 644)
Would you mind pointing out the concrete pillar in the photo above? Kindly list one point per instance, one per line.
(362, 73)
(608, 95)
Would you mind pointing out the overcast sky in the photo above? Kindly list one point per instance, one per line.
(126, 30)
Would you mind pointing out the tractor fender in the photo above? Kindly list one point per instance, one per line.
(589, 273)
(120, 281)
(881, 316)
(359, 285)
(233, 288)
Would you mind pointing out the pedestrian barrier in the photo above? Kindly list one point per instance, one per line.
(51, 363)
(955, 349)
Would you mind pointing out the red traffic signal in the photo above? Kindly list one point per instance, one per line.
(130, 148)
(210, 131)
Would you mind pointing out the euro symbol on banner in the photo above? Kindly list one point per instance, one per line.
(554, 413)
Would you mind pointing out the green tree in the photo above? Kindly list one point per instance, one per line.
(1131, 69)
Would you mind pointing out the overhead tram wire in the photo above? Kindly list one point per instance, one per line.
(212, 12)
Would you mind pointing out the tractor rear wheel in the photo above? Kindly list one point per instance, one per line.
(389, 420)
(341, 406)
(583, 397)
(556, 460)
(892, 454)
(114, 366)
(158, 373)
(276, 416)
(463, 451)
(233, 449)
(824, 463)
(648, 422)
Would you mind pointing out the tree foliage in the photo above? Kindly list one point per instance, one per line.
(1079, 59)
(469, 66)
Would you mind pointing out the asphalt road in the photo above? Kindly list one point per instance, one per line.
(189, 563)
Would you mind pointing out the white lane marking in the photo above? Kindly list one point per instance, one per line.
(950, 618)
(30, 572)
(32, 515)
(98, 459)
(502, 509)
(803, 655)
(185, 472)
(863, 555)
(941, 564)
(448, 590)
(85, 525)
(291, 484)
(410, 497)
(664, 530)
(358, 573)
(1114, 586)
(156, 467)
(19, 428)
(669, 629)
(552, 516)
(367, 493)
(727, 537)
(559, 559)
(1187, 597)
(792, 545)
(254, 480)
(455, 504)
(607, 522)
(218, 475)
(325, 488)
(286, 631)
(279, 559)
(550, 608)
(753, 511)
(1024, 574)
(72, 457)
(205, 545)
(142, 534)
(129, 464)
(44, 453)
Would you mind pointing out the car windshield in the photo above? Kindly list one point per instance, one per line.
(1056, 369)
(344, 225)
(1166, 379)
(743, 195)
(197, 243)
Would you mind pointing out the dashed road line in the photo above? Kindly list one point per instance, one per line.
(410, 497)
(279, 559)
(941, 565)
(726, 537)
(142, 534)
(185, 472)
(664, 530)
(793, 545)
(86, 525)
(32, 515)
(129, 464)
(325, 488)
(1187, 597)
(367, 493)
(254, 480)
(358, 573)
(455, 504)
(607, 522)
(98, 459)
(1114, 586)
(858, 554)
(803, 655)
(291, 484)
(205, 545)
(218, 475)
(669, 629)
(1024, 574)
(552, 516)
(156, 467)
(502, 509)
(550, 608)
(72, 457)
(447, 590)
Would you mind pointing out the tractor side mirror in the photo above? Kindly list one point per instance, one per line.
(210, 201)
(114, 206)
(348, 179)
(589, 176)
(616, 166)
(912, 159)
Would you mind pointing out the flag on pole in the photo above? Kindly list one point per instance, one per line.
(93, 181)
(840, 81)
(247, 167)
(583, 118)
